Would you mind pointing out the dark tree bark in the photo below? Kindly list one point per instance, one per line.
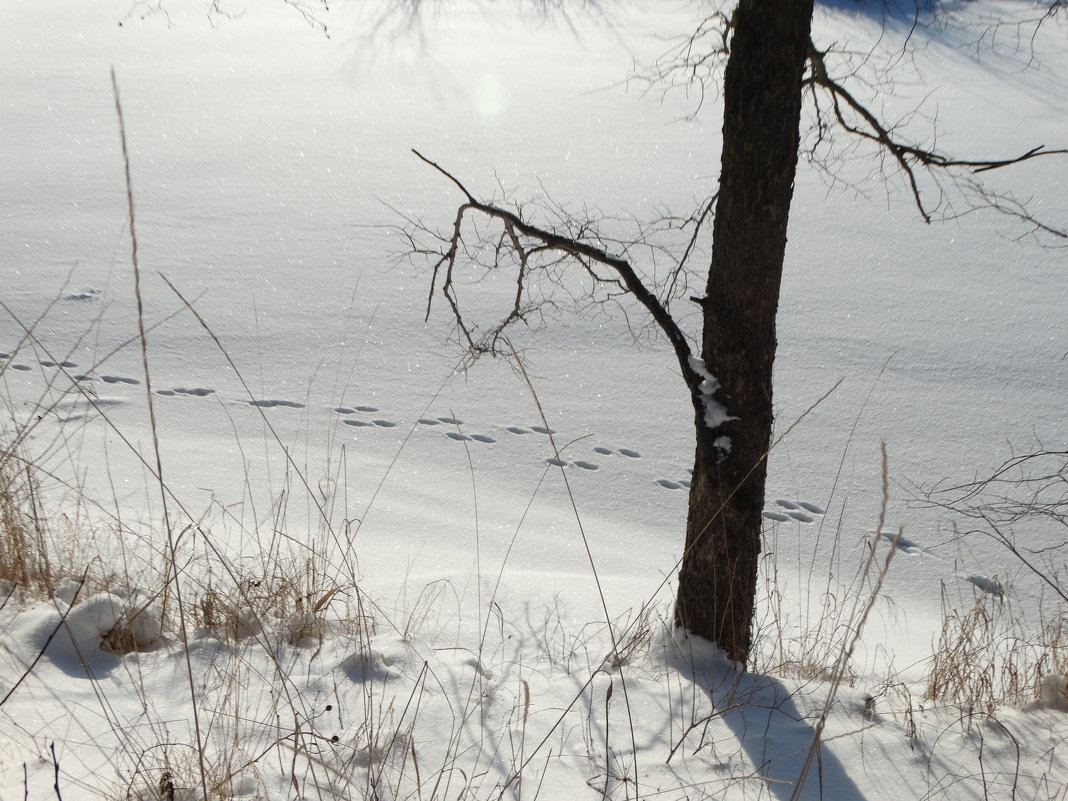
(761, 117)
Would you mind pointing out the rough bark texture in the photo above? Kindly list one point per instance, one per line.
(762, 106)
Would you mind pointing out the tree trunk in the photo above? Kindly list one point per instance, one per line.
(762, 107)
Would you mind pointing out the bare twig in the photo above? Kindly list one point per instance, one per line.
(857, 620)
(55, 766)
(1024, 488)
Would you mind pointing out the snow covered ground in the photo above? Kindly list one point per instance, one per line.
(389, 587)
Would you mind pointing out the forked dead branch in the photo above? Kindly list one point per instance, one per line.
(528, 245)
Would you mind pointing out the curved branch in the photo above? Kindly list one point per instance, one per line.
(583, 253)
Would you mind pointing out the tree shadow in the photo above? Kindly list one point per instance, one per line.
(771, 730)
(899, 11)
(775, 735)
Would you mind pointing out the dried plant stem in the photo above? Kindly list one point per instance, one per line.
(172, 564)
(849, 644)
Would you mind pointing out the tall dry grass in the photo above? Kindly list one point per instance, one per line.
(24, 558)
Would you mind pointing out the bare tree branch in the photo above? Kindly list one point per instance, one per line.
(909, 156)
(544, 241)
(694, 65)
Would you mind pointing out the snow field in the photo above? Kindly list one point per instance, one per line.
(386, 582)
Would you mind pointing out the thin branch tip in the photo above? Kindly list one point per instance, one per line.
(446, 173)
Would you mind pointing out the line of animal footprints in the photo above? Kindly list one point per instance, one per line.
(45, 363)
(459, 435)
(198, 392)
(350, 418)
(584, 465)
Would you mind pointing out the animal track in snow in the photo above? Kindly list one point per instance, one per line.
(118, 379)
(621, 451)
(57, 364)
(21, 367)
(902, 544)
(558, 462)
(370, 423)
(535, 429)
(196, 392)
(459, 437)
(87, 296)
(673, 485)
(270, 404)
(485, 438)
(778, 517)
(988, 584)
(800, 511)
(379, 422)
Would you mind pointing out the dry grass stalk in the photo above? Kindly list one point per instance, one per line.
(23, 560)
(985, 660)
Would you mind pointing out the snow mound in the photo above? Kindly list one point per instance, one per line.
(68, 635)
